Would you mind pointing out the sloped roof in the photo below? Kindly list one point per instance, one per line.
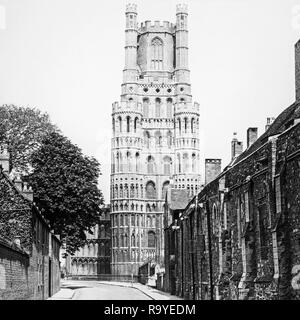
(178, 199)
(280, 124)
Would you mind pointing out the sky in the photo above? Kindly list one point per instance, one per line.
(66, 58)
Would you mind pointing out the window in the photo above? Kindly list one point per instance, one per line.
(137, 162)
(113, 125)
(158, 138)
(185, 124)
(120, 124)
(150, 190)
(164, 189)
(167, 165)
(169, 107)
(128, 124)
(147, 139)
(118, 162)
(179, 162)
(150, 165)
(156, 54)
(151, 239)
(157, 107)
(146, 107)
(135, 124)
(179, 124)
(193, 125)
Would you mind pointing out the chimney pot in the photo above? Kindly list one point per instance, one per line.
(212, 169)
(251, 136)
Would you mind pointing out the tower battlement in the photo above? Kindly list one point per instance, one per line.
(131, 8)
(187, 107)
(182, 8)
(156, 26)
(127, 106)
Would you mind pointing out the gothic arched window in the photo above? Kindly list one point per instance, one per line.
(193, 125)
(179, 162)
(118, 162)
(157, 107)
(193, 162)
(150, 190)
(128, 124)
(120, 124)
(150, 165)
(179, 124)
(156, 54)
(146, 107)
(164, 189)
(137, 162)
(135, 124)
(169, 107)
(185, 124)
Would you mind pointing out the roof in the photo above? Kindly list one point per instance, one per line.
(281, 123)
(178, 199)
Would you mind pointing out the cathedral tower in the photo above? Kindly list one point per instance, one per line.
(155, 137)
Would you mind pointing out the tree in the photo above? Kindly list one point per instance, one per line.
(64, 182)
(23, 129)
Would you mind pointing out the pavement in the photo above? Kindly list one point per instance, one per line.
(108, 290)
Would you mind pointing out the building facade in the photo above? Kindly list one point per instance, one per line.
(29, 251)
(239, 238)
(155, 138)
(93, 260)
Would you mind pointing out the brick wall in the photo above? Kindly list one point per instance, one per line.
(24, 269)
(14, 272)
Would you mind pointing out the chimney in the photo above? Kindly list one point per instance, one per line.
(297, 70)
(251, 136)
(18, 183)
(212, 169)
(4, 158)
(27, 192)
(236, 147)
(269, 122)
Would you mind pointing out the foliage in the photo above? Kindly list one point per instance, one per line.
(64, 182)
(23, 129)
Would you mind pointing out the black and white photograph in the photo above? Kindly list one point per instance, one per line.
(149, 150)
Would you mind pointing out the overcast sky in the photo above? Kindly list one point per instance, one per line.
(66, 57)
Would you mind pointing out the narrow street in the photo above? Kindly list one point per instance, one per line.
(100, 290)
(108, 292)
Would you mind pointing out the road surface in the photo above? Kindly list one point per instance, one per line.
(87, 290)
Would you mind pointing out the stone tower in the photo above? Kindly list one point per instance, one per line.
(155, 138)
